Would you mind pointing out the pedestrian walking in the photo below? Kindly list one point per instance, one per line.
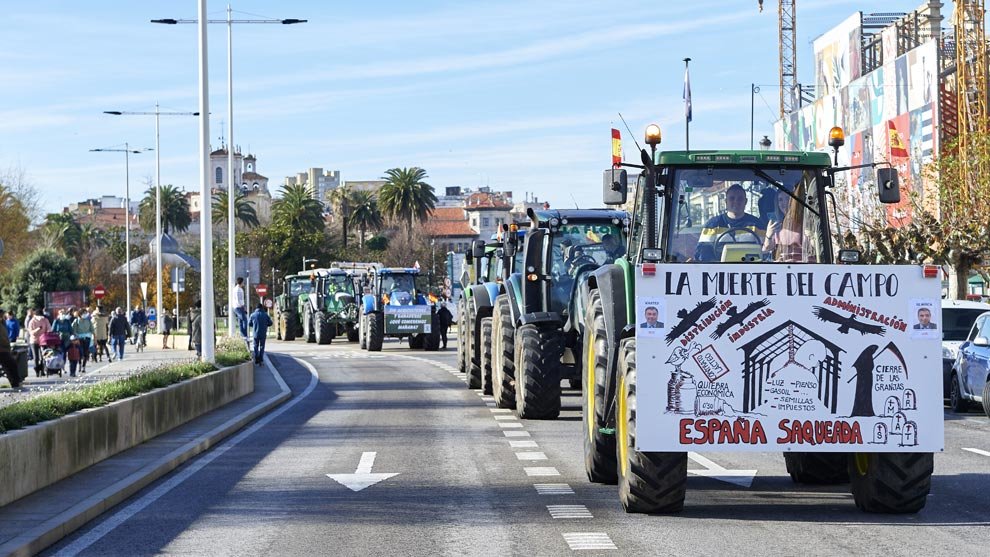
(240, 307)
(8, 364)
(167, 325)
(63, 326)
(74, 353)
(24, 330)
(444, 318)
(38, 327)
(139, 323)
(13, 327)
(82, 327)
(196, 329)
(119, 330)
(260, 321)
(101, 322)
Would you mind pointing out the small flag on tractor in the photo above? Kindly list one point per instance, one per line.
(616, 148)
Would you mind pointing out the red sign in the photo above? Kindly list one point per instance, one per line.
(262, 290)
(99, 292)
(616, 148)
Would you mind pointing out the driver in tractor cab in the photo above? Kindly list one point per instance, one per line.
(735, 217)
(613, 247)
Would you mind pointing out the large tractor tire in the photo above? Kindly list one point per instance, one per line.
(472, 366)
(503, 354)
(431, 340)
(376, 331)
(537, 363)
(486, 356)
(476, 371)
(416, 341)
(648, 482)
(461, 340)
(352, 332)
(291, 326)
(309, 331)
(363, 332)
(599, 448)
(279, 324)
(323, 328)
(891, 483)
(817, 468)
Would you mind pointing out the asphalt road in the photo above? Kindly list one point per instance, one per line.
(472, 480)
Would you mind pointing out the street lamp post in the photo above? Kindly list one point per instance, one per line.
(127, 207)
(305, 261)
(159, 306)
(231, 193)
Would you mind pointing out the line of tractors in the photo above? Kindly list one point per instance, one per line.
(364, 302)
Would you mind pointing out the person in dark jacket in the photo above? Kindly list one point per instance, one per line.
(445, 318)
(259, 321)
(8, 364)
(196, 329)
(119, 330)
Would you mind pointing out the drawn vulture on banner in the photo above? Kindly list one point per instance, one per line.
(688, 319)
(847, 323)
(737, 317)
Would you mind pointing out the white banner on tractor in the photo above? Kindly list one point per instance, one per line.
(811, 358)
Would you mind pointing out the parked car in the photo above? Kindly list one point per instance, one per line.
(958, 317)
(969, 380)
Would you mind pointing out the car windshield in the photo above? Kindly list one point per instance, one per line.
(578, 246)
(745, 215)
(339, 283)
(397, 282)
(957, 322)
(299, 286)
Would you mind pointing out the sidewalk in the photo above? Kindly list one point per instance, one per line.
(37, 521)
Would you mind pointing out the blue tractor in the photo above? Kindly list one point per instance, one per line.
(395, 305)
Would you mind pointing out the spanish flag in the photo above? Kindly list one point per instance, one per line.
(897, 146)
(616, 148)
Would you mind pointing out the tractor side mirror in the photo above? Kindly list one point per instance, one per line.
(888, 185)
(510, 248)
(478, 248)
(615, 186)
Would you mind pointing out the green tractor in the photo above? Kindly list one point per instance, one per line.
(331, 308)
(714, 332)
(295, 288)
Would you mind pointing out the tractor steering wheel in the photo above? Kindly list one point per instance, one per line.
(734, 234)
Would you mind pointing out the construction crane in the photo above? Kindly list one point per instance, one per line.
(787, 47)
(971, 83)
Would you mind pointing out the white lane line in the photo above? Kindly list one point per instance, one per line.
(531, 455)
(487, 398)
(977, 451)
(541, 471)
(508, 424)
(553, 489)
(125, 514)
(503, 417)
(527, 444)
(569, 511)
(500, 410)
(514, 433)
(490, 404)
(580, 541)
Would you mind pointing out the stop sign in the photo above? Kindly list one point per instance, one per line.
(99, 292)
(262, 290)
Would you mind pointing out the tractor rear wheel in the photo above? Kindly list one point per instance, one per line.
(486, 355)
(461, 340)
(817, 468)
(291, 326)
(537, 362)
(323, 328)
(416, 341)
(363, 332)
(892, 483)
(648, 482)
(503, 354)
(309, 331)
(376, 331)
(599, 448)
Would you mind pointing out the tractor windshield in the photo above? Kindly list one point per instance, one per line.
(339, 283)
(577, 247)
(299, 286)
(398, 283)
(745, 215)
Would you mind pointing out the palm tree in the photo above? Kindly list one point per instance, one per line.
(405, 196)
(175, 210)
(340, 200)
(62, 232)
(244, 212)
(365, 213)
(298, 209)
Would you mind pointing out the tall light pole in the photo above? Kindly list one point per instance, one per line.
(158, 193)
(205, 216)
(127, 206)
(231, 193)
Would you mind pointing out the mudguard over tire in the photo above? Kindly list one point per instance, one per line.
(817, 468)
(376, 331)
(537, 363)
(486, 355)
(892, 483)
(503, 355)
(648, 482)
(599, 448)
(323, 328)
(291, 325)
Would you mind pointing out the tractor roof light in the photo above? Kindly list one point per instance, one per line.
(836, 137)
(513, 227)
(653, 135)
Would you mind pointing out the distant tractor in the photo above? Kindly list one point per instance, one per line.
(330, 309)
(295, 288)
(479, 291)
(397, 307)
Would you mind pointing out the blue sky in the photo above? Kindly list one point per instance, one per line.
(517, 95)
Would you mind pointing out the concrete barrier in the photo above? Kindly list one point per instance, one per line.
(45, 453)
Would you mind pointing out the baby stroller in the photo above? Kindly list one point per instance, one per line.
(52, 354)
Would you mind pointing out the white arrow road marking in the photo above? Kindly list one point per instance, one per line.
(742, 478)
(362, 477)
(977, 451)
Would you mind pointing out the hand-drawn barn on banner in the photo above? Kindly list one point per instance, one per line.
(761, 352)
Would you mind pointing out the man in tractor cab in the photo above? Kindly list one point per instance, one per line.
(733, 225)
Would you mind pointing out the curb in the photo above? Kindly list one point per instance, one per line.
(61, 525)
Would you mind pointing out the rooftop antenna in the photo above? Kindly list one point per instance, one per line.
(631, 134)
(575, 201)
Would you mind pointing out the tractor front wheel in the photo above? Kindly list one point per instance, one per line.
(537, 362)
